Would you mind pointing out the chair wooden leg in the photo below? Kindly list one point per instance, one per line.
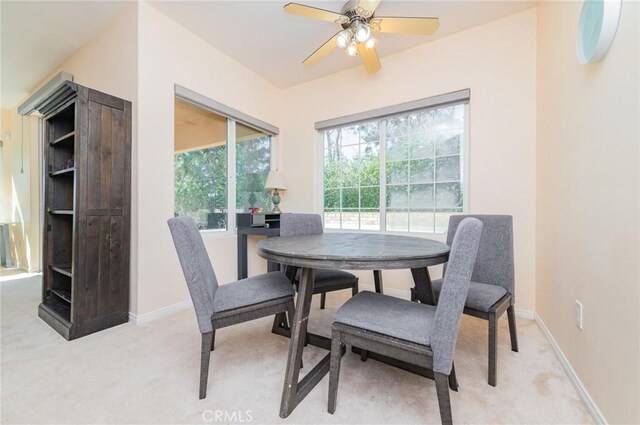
(334, 372)
(278, 321)
(414, 295)
(213, 339)
(511, 317)
(323, 300)
(364, 355)
(493, 342)
(442, 389)
(453, 381)
(205, 355)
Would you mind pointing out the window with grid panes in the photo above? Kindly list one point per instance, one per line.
(402, 173)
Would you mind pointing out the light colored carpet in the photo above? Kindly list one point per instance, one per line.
(149, 374)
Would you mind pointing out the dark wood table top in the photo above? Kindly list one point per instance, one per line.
(354, 251)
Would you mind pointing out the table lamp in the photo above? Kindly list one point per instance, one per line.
(275, 181)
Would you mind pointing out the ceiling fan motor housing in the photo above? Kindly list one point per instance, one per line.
(350, 10)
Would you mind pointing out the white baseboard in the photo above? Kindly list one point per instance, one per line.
(525, 314)
(140, 319)
(405, 294)
(584, 395)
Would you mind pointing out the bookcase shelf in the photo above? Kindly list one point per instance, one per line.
(64, 172)
(64, 269)
(65, 141)
(62, 294)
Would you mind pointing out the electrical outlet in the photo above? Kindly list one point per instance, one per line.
(579, 313)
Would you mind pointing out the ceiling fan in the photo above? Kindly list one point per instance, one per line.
(358, 21)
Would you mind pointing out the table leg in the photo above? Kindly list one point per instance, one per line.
(423, 287)
(271, 266)
(280, 323)
(242, 256)
(294, 392)
(377, 279)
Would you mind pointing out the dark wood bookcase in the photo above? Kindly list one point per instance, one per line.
(87, 200)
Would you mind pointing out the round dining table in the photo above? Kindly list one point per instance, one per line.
(338, 250)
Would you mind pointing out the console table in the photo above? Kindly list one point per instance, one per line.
(245, 228)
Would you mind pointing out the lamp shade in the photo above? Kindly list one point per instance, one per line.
(276, 180)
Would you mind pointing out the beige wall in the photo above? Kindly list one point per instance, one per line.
(588, 196)
(107, 63)
(169, 54)
(497, 62)
(20, 188)
(578, 153)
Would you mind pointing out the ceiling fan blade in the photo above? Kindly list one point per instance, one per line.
(425, 26)
(321, 52)
(311, 12)
(369, 58)
(369, 5)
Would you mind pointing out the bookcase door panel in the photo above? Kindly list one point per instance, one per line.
(106, 159)
(104, 282)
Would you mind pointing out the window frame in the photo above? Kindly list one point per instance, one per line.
(233, 117)
(381, 115)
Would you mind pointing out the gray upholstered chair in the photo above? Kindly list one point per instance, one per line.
(325, 280)
(225, 305)
(492, 289)
(415, 333)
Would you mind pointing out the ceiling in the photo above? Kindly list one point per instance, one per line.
(273, 44)
(37, 36)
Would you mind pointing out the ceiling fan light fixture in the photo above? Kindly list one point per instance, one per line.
(363, 32)
(358, 22)
(343, 38)
(352, 50)
(371, 43)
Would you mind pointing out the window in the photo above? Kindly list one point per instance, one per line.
(205, 159)
(253, 154)
(352, 177)
(401, 173)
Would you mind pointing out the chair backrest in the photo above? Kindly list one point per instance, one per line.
(300, 224)
(453, 294)
(494, 263)
(196, 266)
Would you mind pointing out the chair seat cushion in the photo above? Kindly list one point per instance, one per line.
(251, 291)
(481, 296)
(389, 316)
(330, 280)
